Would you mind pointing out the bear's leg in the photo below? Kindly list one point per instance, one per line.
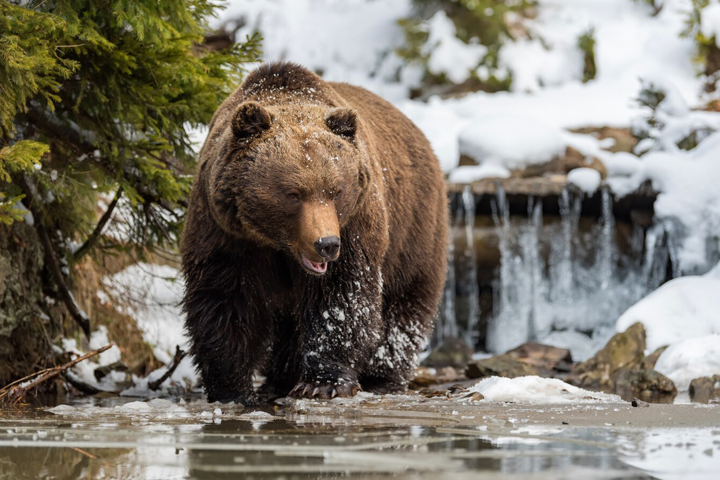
(283, 369)
(408, 320)
(227, 348)
(342, 325)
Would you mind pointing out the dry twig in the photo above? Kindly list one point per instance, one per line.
(19, 388)
(179, 355)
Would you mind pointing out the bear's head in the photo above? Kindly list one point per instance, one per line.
(289, 177)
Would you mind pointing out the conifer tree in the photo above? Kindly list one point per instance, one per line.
(98, 99)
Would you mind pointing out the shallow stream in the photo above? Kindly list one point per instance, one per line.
(372, 438)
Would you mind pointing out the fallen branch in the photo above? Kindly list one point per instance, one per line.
(19, 388)
(179, 355)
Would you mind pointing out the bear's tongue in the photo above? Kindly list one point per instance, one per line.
(314, 266)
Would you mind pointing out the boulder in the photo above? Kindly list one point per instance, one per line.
(425, 377)
(549, 361)
(453, 352)
(623, 350)
(500, 366)
(705, 389)
(645, 384)
(622, 368)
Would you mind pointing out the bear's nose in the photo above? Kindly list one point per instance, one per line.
(328, 247)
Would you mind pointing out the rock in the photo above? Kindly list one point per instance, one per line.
(646, 384)
(500, 366)
(425, 377)
(453, 352)
(621, 368)
(623, 350)
(574, 159)
(636, 402)
(624, 141)
(705, 389)
(650, 361)
(548, 360)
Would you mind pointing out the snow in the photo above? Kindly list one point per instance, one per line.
(683, 314)
(683, 308)
(537, 391)
(710, 22)
(586, 179)
(349, 40)
(473, 173)
(449, 55)
(151, 294)
(689, 359)
(511, 140)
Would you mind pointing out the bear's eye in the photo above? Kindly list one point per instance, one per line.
(293, 196)
(338, 194)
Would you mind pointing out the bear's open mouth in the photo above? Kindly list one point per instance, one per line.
(314, 267)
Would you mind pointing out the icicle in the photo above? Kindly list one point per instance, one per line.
(470, 284)
(606, 249)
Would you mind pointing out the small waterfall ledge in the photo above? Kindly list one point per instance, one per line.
(536, 259)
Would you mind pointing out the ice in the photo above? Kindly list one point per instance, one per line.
(689, 359)
(677, 454)
(586, 179)
(537, 391)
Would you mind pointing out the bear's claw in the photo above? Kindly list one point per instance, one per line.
(325, 391)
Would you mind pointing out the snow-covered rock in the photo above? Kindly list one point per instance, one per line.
(689, 359)
(536, 390)
(512, 141)
(586, 179)
(683, 308)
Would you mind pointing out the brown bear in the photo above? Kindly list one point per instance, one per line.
(314, 246)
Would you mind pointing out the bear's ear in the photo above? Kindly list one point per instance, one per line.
(342, 121)
(250, 119)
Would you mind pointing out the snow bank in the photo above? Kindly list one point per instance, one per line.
(683, 314)
(537, 391)
(473, 173)
(151, 294)
(690, 359)
(511, 140)
(683, 308)
(586, 179)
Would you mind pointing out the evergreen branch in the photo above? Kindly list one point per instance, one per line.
(88, 244)
(52, 263)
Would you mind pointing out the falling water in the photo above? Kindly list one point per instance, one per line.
(469, 281)
(555, 283)
(572, 296)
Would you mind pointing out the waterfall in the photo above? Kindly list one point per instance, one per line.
(559, 281)
(572, 296)
(469, 282)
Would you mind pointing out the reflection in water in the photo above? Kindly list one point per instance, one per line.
(209, 445)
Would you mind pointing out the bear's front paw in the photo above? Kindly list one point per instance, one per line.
(325, 390)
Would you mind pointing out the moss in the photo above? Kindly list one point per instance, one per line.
(586, 44)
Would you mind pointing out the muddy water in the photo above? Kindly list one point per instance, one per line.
(161, 439)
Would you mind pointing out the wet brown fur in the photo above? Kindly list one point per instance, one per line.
(290, 159)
